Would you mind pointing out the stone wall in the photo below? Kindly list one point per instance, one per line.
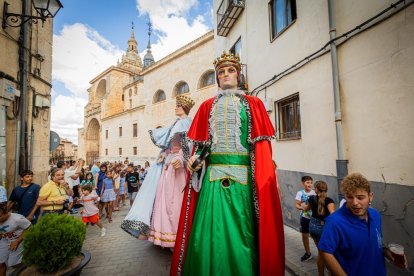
(186, 64)
(39, 82)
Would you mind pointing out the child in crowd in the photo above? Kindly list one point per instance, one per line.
(12, 228)
(69, 203)
(302, 196)
(321, 206)
(108, 194)
(88, 179)
(90, 213)
(116, 177)
(142, 174)
(122, 189)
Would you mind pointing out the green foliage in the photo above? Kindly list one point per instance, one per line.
(53, 242)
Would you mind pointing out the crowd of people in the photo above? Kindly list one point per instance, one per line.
(93, 191)
(211, 197)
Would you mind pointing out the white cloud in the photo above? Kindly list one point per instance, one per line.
(67, 116)
(165, 7)
(79, 55)
(171, 24)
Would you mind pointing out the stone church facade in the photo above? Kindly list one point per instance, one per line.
(128, 99)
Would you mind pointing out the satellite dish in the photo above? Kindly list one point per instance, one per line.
(54, 140)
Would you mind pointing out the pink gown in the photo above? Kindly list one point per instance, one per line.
(167, 205)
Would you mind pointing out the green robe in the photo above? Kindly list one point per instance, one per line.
(223, 239)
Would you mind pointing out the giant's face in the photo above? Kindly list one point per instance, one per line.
(227, 77)
(179, 111)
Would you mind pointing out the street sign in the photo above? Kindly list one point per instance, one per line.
(54, 140)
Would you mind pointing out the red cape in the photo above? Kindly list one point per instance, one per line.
(268, 209)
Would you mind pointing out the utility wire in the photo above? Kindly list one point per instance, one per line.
(324, 49)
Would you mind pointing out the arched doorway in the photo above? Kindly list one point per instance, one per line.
(92, 141)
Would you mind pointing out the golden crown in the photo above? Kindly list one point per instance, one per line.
(227, 59)
(185, 101)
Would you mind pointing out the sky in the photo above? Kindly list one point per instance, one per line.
(91, 35)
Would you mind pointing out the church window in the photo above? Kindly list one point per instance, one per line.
(106, 151)
(208, 78)
(159, 96)
(130, 92)
(130, 103)
(135, 91)
(135, 150)
(120, 151)
(120, 131)
(135, 130)
(106, 133)
(181, 88)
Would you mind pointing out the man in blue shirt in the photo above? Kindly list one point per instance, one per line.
(351, 242)
(24, 197)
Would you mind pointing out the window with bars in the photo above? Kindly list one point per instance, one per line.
(135, 130)
(288, 118)
(282, 13)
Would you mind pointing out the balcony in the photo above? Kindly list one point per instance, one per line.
(227, 14)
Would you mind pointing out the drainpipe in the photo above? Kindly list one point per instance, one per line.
(31, 148)
(23, 45)
(16, 167)
(341, 163)
(3, 149)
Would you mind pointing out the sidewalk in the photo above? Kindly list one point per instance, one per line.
(118, 253)
(294, 251)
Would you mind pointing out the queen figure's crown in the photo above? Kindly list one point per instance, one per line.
(227, 59)
(186, 102)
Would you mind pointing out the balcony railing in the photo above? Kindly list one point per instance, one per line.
(227, 14)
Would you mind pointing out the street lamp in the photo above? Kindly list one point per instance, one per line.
(45, 8)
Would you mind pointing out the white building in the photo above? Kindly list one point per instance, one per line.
(124, 103)
(278, 42)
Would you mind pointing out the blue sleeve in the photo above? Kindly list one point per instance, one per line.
(13, 195)
(36, 189)
(329, 241)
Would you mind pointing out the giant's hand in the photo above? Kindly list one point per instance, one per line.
(176, 163)
(191, 161)
(160, 158)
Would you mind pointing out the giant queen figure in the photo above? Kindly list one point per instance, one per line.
(231, 221)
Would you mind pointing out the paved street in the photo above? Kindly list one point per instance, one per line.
(120, 253)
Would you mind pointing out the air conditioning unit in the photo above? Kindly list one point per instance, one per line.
(42, 101)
